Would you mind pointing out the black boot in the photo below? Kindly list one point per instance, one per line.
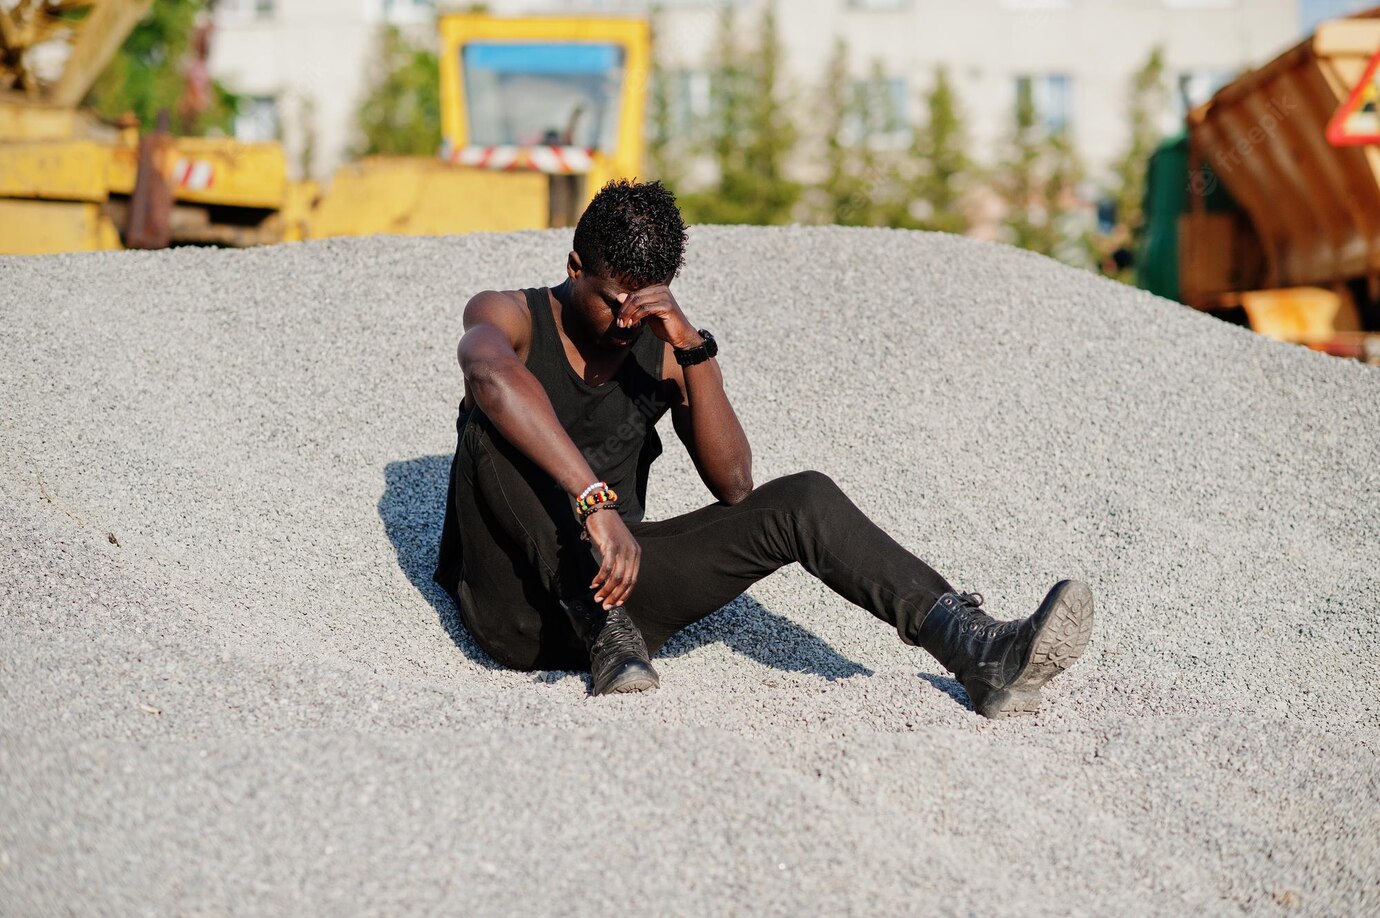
(1003, 665)
(618, 660)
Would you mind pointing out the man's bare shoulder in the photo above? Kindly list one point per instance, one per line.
(504, 309)
(497, 304)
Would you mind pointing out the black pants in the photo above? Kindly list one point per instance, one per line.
(521, 548)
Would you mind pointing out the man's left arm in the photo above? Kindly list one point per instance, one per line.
(704, 419)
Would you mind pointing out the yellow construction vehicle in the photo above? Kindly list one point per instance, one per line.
(1265, 210)
(56, 162)
(69, 182)
(537, 113)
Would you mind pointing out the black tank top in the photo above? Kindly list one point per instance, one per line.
(613, 423)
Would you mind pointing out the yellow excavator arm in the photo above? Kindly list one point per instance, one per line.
(51, 51)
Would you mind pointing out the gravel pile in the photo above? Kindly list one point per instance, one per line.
(228, 684)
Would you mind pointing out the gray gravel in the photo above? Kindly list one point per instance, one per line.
(256, 702)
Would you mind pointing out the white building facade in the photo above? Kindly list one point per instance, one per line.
(304, 66)
(305, 63)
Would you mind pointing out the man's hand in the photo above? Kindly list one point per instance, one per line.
(659, 308)
(620, 557)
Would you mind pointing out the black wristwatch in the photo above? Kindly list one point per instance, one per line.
(690, 356)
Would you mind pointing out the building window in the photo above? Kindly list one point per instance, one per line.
(246, 9)
(879, 6)
(257, 119)
(405, 12)
(688, 100)
(877, 114)
(1052, 97)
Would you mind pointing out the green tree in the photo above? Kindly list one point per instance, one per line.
(1067, 235)
(401, 111)
(1019, 178)
(306, 112)
(772, 135)
(750, 135)
(147, 76)
(884, 166)
(663, 152)
(1038, 182)
(843, 191)
(863, 185)
(1147, 98)
(943, 166)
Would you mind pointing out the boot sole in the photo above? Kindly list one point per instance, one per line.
(634, 677)
(1058, 643)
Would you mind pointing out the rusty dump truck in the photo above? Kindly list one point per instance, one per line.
(1266, 210)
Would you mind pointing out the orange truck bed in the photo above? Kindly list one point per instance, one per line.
(1311, 209)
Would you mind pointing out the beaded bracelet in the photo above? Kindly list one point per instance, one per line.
(605, 495)
(594, 487)
(606, 505)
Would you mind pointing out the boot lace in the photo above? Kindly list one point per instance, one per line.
(618, 639)
(977, 621)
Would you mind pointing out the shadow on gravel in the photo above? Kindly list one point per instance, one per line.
(754, 631)
(950, 687)
(412, 509)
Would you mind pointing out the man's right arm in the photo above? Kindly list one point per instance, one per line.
(497, 380)
(497, 328)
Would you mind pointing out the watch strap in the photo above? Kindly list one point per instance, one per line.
(701, 352)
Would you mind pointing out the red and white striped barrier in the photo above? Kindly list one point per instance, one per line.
(193, 174)
(557, 160)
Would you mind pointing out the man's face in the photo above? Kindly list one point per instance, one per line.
(596, 300)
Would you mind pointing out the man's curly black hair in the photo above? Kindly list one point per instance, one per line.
(632, 231)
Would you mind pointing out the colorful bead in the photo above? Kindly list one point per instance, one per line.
(605, 495)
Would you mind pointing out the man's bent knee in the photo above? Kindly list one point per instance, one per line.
(800, 491)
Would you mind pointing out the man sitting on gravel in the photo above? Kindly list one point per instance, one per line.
(563, 389)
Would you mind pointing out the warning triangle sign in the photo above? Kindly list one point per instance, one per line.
(1358, 120)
